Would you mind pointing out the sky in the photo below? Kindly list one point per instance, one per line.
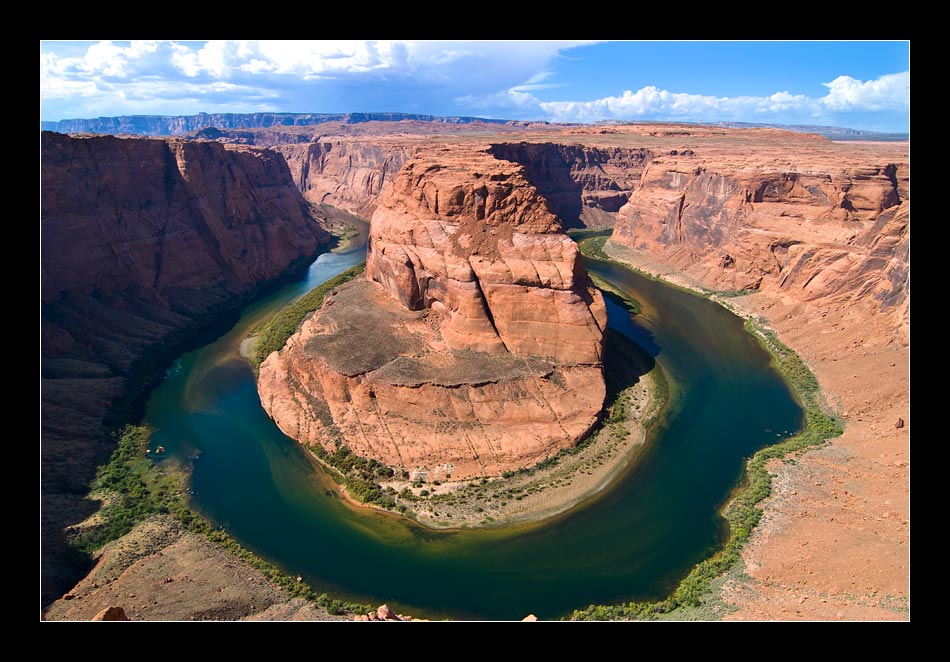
(855, 84)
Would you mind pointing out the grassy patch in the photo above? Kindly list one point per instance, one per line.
(628, 301)
(272, 334)
(594, 247)
(579, 235)
(138, 489)
(697, 590)
(360, 475)
(135, 488)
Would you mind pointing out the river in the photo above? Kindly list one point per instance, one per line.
(635, 540)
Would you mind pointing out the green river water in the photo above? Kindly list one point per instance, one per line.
(635, 540)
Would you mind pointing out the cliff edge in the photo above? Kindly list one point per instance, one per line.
(140, 239)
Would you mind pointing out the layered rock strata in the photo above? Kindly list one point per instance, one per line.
(139, 238)
(472, 347)
(346, 174)
(584, 185)
(836, 231)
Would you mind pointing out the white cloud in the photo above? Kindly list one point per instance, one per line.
(495, 79)
(296, 73)
(890, 92)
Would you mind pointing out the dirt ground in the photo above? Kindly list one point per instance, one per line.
(834, 543)
(160, 572)
(834, 540)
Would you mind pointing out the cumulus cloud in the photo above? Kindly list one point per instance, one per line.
(411, 76)
(508, 79)
(889, 92)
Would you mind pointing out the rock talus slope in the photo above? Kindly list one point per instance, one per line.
(472, 347)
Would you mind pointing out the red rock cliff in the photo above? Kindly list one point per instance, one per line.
(346, 174)
(475, 349)
(584, 185)
(140, 237)
(806, 224)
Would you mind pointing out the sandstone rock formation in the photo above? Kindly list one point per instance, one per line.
(475, 345)
(800, 223)
(159, 571)
(584, 185)
(349, 165)
(111, 614)
(346, 174)
(481, 249)
(139, 239)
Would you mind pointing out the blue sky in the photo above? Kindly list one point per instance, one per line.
(862, 85)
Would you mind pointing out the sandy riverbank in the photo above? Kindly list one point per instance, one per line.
(833, 540)
(538, 494)
(543, 493)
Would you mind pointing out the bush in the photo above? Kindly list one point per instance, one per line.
(141, 489)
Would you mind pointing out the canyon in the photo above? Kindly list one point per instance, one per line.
(485, 307)
(142, 241)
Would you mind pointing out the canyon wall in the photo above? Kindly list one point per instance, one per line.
(836, 230)
(346, 174)
(584, 185)
(472, 347)
(140, 238)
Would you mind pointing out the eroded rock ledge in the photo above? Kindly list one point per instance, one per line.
(473, 346)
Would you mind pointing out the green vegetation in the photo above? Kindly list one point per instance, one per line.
(361, 476)
(579, 235)
(742, 513)
(631, 304)
(273, 334)
(594, 247)
(135, 488)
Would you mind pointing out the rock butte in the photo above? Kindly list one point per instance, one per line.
(473, 346)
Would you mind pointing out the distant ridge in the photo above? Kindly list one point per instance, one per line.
(175, 125)
(830, 132)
